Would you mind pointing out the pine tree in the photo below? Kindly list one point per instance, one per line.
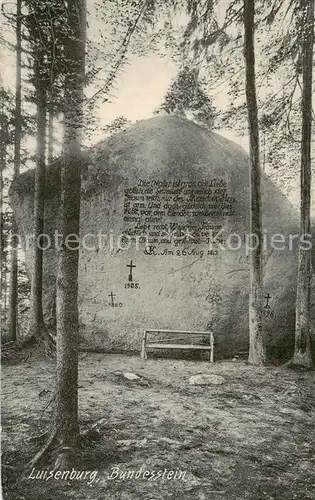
(3, 235)
(48, 68)
(256, 348)
(17, 164)
(36, 38)
(186, 94)
(66, 414)
(302, 351)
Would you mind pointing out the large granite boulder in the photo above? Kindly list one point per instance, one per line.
(182, 188)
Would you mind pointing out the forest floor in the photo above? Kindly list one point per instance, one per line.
(252, 436)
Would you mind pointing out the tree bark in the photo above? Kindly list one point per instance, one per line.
(3, 242)
(50, 149)
(66, 414)
(37, 326)
(302, 351)
(4, 140)
(13, 325)
(256, 346)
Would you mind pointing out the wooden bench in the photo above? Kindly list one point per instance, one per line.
(168, 343)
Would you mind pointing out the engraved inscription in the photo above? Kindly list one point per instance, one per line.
(177, 212)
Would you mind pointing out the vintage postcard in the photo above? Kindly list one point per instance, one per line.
(157, 249)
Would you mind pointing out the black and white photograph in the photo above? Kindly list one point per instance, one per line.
(157, 249)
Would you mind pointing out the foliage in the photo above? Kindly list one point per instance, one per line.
(119, 124)
(186, 94)
(212, 40)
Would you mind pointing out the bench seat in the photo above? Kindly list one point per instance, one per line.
(178, 346)
(168, 344)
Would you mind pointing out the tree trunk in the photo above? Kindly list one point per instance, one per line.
(50, 149)
(2, 236)
(37, 326)
(3, 239)
(302, 350)
(66, 415)
(17, 162)
(256, 346)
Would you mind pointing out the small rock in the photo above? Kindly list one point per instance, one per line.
(206, 380)
(137, 443)
(131, 376)
(124, 442)
(170, 441)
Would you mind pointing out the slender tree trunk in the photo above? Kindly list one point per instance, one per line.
(50, 149)
(256, 347)
(17, 162)
(37, 326)
(5, 292)
(302, 351)
(66, 416)
(13, 289)
(2, 168)
(2, 236)
(3, 239)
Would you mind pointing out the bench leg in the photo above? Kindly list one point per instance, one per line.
(212, 348)
(143, 349)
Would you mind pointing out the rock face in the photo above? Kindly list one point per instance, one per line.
(180, 187)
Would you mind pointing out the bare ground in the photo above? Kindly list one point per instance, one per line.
(251, 437)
